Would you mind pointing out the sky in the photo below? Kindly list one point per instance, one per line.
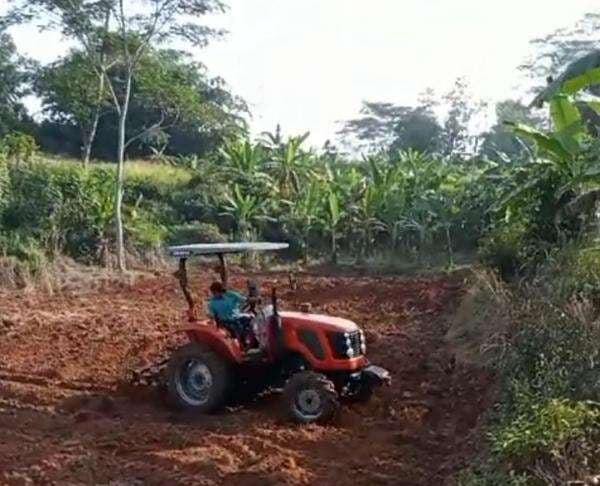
(308, 64)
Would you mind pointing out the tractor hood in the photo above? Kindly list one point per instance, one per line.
(329, 323)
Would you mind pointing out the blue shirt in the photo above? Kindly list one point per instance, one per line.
(225, 307)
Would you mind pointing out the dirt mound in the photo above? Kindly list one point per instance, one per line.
(65, 418)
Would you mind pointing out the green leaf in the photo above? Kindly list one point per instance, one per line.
(551, 146)
(570, 138)
(564, 113)
(586, 79)
(334, 208)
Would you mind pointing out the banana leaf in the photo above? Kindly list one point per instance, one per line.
(548, 144)
(564, 113)
(578, 75)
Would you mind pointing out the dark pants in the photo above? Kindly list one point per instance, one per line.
(240, 326)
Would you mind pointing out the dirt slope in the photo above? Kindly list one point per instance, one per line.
(67, 418)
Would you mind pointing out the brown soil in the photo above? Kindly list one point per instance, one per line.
(67, 415)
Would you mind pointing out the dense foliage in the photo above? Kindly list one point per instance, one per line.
(409, 205)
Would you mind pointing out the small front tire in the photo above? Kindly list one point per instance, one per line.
(310, 397)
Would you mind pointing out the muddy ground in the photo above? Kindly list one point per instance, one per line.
(67, 415)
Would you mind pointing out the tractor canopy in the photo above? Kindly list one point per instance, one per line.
(198, 249)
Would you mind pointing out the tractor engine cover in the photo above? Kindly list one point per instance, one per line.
(327, 343)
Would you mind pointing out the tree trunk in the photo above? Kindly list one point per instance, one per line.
(305, 256)
(421, 247)
(334, 256)
(88, 138)
(86, 149)
(449, 247)
(120, 243)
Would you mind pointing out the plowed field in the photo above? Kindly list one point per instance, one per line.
(68, 415)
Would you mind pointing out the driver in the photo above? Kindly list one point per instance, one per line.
(225, 307)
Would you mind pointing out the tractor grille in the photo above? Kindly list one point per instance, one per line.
(341, 343)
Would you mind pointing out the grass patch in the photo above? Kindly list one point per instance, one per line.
(162, 175)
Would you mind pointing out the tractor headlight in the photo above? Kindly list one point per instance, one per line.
(348, 344)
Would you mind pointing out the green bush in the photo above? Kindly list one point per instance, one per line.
(68, 209)
(23, 248)
(489, 474)
(546, 424)
(554, 352)
(196, 232)
(18, 147)
(540, 430)
(572, 271)
(502, 249)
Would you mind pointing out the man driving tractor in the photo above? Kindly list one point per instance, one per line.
(225, 306)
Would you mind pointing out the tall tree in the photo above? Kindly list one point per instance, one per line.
(13, 77)
(139, 25)
(554, 51)
(71, 92)
(417, 130)
(455, 138)
(385, 126)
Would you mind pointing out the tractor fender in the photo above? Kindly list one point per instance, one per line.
(214, 338)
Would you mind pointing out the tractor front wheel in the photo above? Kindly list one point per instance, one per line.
(197, 379)
(310, 397)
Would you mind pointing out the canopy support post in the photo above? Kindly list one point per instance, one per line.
(181, 275)
(223, 270)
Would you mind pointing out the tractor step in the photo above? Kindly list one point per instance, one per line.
(253, 355)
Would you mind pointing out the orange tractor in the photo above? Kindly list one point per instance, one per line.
(316, 359)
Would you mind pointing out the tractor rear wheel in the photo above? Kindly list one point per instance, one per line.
(197, 379)
(310, 397)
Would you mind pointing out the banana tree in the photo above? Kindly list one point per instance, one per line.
(565, 159)
(331, 220)
(288, 164)
(365, 215)
(304, 213)
(247, 210)
(244, 161)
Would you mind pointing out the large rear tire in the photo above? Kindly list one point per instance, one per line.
(197, 379)
(310, 397)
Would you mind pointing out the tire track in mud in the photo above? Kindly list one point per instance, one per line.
(65, 415)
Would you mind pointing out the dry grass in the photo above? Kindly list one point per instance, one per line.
(63, 274)
(478, 332)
